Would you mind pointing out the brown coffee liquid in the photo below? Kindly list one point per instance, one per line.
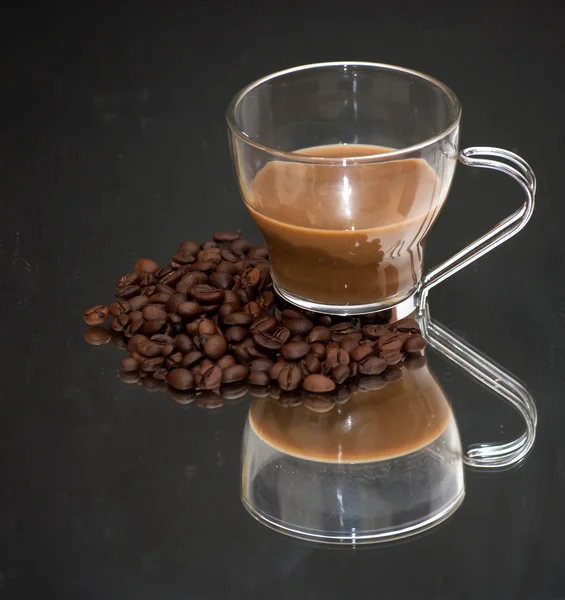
(398, 419)
(345, 234)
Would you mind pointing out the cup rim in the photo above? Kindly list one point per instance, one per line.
(309, 158)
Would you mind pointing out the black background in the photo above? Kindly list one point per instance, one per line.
(113, 146)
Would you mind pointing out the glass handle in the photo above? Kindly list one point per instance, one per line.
(486, 157)
(501, 382)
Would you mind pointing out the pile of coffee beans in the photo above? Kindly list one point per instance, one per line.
(209, 322)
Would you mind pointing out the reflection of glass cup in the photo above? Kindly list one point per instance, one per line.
(344, 168)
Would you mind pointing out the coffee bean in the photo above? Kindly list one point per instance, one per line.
(225, 310)
(251, 277)
(174, 360)
(337, 356)
(310, 365)
(161, 339)
(319, 334)
(258, 378)
(392, 357)
(245, 294)
(331, 346)
(260, 364)
(225, 237)
(210, 378)
(277, 367)
(151, 312)
(238, 318)
(408, 325)
(172, 278)
(348, 343)
(343, 328)
(414, 361)
(207, 327)
(181, 379)
(253, 309)
(415, 343)
(254, 352)
(373, 365)
(161, 374)
(159, 298)
(298, 326)
(154, 326)
(390, 342)
(295, 350)
(226, 267)
(258, 252)
(324, 320)
(202, 366)
(183, 258)
(371, 382)
(235, 334)
(226, 361)
(282, 333)
(204, 267)
(235, 373)
(127, 280)
(138, 302)
(392, 374)
(189, 310)
(318, 349)
(318, 384)
(189, 280)
(210, 254)
(119, 307)
(231, 297)
(174, 301)
(129, 364)
(97, 336)
(362, 352)
(189, 248)
(318, 403)
(192, 328)
(241, 266)
(135, 340)
(215, 347)
(152, 364)
(192, 358)
(146, 265)
(96, 315)
(175, 321)
(242, 246)
(267, 342)
(183, 343)
(267, 300)
(374, 332)
(266, 324)
(206, 294)
(128, 292)
(221, 280)
(289, 378)
(148, 349)
(120, 323)
(341, 373)
(148, 290)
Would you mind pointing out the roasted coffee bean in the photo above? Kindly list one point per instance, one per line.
(128, 292)
(152, 364)
(138, 302)
(226, 237)
(241, 354)
(266, 324)
(192, 358)
(203, 267)
(148, 290)
(318, 349)
(215, 347)
(146, 280)
(138, 357)
(189, 310)
(298, 326)
(295, 350)
(207, 327)
(235, 373)
(245, 294)
(134, 327)
(261, 364)
(254, 310)
(392, 357)
(208, 244)
(206, 294)
(174, 360)
(277, 367)
(161, 288)
(120, 323)
(310, 365)
(331, 346)
(189, 280)
(209, 378)
(167, 350)
(209, 400)
(210, 254)
(251, 277)
(342, 328)
(183, 343)
(173, 277)
(238, 318)
(96, 315)
(414, 361)
(318, 384)
(189, 248)
(319, 334)
(373, 365)
(241, 266)
(226, 309)
(348, 343)
(408, 326)
(151, 312)
(258, 378)
(231, 297)
(390, 342)
(164, 271)
(210, 309)
(254, 352)
(336, 356)
(97, 336)
(129, 364)
(415, 343)
(362, 352)
(282, 333)
(342, 395)
(242, 246)
(229, 257)
(267, 342)
(174, 301)
(340, 373)
(146, 265)
(148, 349)
(374, 332)
(324, 321)
(175, 321)
(192, 328)
(127, 280)
(258, 252)
(161, 374)
(392, 374)
(289, 378)
(119, 307)
(226, 361)
(291, 313)
(154, 326)
(203, 365)
(161, 339)
(235, 334)
(371, 382)
(227, 268)
(318, 403)
(183, 258)
(159, 298)
(267, 300)
(181, 379)
(221, 280)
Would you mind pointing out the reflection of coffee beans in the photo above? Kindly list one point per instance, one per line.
(210, 329)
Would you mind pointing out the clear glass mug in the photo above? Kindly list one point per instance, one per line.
(345, 167)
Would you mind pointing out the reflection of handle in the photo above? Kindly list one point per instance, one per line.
(484, 157)
(501, 382)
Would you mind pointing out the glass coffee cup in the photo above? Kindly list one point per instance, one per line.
(344, 168)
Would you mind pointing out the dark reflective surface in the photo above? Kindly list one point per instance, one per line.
(114, 146)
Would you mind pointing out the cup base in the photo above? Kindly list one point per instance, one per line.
(385, 312)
